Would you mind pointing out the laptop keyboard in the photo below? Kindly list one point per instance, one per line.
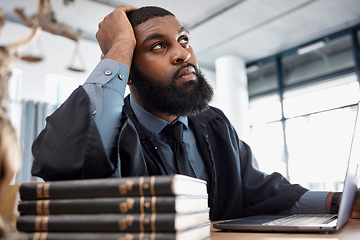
(303, 219)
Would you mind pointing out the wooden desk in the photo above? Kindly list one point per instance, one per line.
(351, 231)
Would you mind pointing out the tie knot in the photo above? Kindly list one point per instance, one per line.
(174, 131)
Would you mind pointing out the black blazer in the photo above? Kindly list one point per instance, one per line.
(70, 148)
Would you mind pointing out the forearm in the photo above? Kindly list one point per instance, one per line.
(317, 202)
(106, 87)
(311, 202)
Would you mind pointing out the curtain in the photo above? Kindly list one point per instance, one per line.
(31, 122)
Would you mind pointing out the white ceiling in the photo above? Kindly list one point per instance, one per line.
(252, 29)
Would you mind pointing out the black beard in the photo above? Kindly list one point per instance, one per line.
(188, 99)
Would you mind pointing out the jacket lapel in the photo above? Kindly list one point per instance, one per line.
(149, 143)
(201, 133)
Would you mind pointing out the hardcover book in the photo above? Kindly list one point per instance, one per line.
(114, 187)
(199, 232)
(148, 222)
(151, 204)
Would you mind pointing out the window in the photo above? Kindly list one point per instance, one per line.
(319, 131)
(330, 94)
(59, 88)
(262, 78)
(266, 138)
(265, 109)
(318, 147)
(358, 38)
(320, 58)
(303, 127)
(266, 142)
(319, 121)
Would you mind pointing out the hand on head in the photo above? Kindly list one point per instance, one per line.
(116, 36)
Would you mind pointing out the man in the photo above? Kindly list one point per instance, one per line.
(96, 133)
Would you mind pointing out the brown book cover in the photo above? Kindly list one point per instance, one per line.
(151, 204)
(114, 187)
(147, 222)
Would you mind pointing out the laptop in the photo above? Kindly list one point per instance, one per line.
(309, 222)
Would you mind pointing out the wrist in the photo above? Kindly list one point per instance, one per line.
(121, 53)
(332, 202)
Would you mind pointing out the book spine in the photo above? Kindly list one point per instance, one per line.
(111, 187)
(102, 236)
(97, 223)
(99, 205)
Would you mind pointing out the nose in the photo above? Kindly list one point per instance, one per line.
(180, 55)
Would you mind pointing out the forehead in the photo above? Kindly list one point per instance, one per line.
(166, 25)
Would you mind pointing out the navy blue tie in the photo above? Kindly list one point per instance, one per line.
(175, 132)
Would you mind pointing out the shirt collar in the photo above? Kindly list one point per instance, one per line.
(151, 122)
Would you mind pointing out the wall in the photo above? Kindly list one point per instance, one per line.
(58, 52)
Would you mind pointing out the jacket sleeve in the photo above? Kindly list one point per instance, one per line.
(63, 148)
(242, 189)
(72, 144)
(265, 193)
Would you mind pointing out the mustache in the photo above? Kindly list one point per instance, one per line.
(185, 66)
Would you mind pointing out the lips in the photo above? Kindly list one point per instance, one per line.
(187, 73)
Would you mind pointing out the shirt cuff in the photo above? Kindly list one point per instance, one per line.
(103, 74)
(106, 85)
(311, 202)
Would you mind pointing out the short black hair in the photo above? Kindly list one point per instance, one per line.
(143, 14)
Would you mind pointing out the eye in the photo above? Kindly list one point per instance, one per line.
(157, 46)
(184, 40)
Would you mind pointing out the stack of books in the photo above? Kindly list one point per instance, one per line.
(150, 207)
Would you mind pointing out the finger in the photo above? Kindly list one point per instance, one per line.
(123, 9)
(127, 9)
(102, 48)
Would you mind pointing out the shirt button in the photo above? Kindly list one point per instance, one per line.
(93, 112)
(121, 77)
(108, 72)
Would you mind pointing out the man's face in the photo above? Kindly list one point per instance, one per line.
(164, 72)
(162, 46)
